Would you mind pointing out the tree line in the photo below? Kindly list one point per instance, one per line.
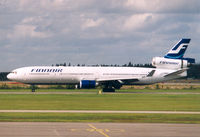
(130, 64)
(3, 76)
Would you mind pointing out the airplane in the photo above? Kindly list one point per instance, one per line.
(172, 66)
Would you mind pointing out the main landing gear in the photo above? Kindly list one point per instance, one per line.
(111, 86)
(108, 90)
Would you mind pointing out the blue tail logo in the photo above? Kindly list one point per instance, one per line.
(177, 52)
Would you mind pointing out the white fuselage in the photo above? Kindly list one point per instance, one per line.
(73, 75)
(171, 66)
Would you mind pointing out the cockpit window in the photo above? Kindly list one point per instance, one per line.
(14, 72)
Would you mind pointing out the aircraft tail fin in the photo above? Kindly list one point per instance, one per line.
(177, 52)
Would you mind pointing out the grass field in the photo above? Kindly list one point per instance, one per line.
(176, 84)
(82, 117)
(159, 102)
(96, 90)
(136, 101)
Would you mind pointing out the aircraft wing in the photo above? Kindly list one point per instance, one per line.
(121, 80)
(125, 80)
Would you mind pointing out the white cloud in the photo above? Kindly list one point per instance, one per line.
(114, 29)
(141, 4)
(45, 4)
(89, 23)
(23, 31)
(32, 20)
(137, 21)
(163, 6)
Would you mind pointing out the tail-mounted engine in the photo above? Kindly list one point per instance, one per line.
(161, 62)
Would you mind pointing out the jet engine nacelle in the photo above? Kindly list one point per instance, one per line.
(87, 84)
(161, 62)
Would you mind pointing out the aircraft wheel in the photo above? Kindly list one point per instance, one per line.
(33, 88)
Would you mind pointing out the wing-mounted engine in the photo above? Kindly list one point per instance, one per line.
(86, 84)
(161, 62)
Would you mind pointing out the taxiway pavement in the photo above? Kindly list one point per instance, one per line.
(56, 129)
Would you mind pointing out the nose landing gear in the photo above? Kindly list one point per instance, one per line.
(33, 88)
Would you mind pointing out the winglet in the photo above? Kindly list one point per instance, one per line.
(151, 73)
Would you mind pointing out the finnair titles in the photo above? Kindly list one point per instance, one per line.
(173, 65)
(165, 62)
(46, 70)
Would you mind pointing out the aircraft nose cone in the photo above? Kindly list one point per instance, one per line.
(10, 76)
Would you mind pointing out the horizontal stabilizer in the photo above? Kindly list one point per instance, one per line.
(175, 73)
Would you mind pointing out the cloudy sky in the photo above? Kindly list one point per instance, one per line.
(46, 32)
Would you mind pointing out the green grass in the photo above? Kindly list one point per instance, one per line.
(160, 90)
(50, 90)
(157, 102)
(117, 91)
(82, 117)
(137, 101)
